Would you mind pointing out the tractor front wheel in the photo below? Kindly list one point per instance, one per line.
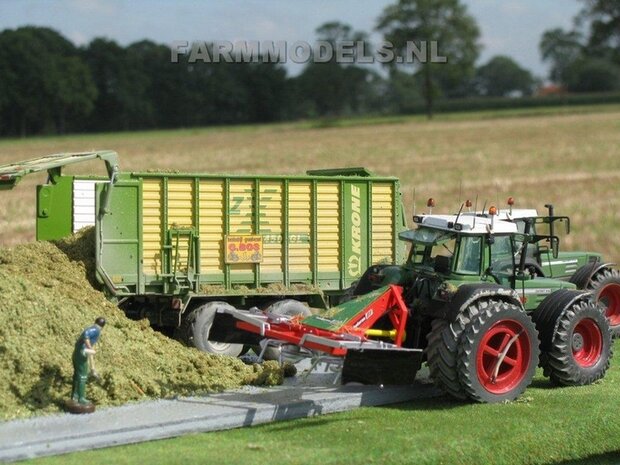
(498, 353)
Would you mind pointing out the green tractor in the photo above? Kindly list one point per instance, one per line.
(484, 320)
(586, 270)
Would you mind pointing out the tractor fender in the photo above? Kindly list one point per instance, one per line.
(548, 314)
(583, 275)
(467, 294)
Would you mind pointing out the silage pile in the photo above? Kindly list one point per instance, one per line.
(47, 300)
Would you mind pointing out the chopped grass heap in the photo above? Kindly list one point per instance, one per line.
(48, 299)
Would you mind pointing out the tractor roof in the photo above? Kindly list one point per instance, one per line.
(467, 224)
(506, 215)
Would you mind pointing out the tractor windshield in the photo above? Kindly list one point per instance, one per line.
(427, 244)
(444, 251)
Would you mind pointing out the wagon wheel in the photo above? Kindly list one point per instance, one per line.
(196, 327)
(289, 308)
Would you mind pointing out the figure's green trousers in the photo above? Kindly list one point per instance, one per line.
(80, 376)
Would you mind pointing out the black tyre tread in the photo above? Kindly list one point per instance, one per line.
(547, 314)
(601, 278)
(468, 373)
(561, 365)
(289, 307)
(194, 318)
(581, 277)
(183, 333)
(286, 307)
(544, 317)
(443, 342)
(439, 368)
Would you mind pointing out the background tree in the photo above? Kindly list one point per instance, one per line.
(501, 76)
(587, 61)
(560, 48)
(43, 81)
(122, 87)
(449, 24)
(331, 88)
(592, 75)
(604, 26)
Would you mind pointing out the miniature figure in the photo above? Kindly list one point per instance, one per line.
(83, 364)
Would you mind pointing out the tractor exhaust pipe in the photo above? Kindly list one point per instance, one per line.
(551, 216)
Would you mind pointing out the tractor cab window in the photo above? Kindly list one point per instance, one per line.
(502, 255)
(519, 245)
(469, 255)
(426, 254)
(428, 244)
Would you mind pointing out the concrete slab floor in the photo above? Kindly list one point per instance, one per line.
(299, 397)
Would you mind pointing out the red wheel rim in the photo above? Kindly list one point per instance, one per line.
(500, 372)
(587, 343)
(609, 295)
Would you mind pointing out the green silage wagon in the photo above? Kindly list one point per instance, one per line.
(168, 243)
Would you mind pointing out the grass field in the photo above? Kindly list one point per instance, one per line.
(570, 158)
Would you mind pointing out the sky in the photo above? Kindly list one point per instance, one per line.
(508, 27)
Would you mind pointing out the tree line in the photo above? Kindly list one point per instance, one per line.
(48, 85)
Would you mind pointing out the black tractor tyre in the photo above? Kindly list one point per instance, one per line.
(546, 316)
(289, 308)
(581, 346)
(498, 353)
(197, 325)
(441, 351)
(582, 278)
(605, 286)
(441, 358)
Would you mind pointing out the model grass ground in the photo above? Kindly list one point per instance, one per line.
(547, 425)
(46, 302)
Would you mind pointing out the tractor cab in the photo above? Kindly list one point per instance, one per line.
(469, 249)
(543, 256)
(462, 248)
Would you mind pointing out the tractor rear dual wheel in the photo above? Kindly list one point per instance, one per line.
(489, 353)
(606, 287)
(441, 354)
(580, 346)
(604, 283)
(498, 354)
